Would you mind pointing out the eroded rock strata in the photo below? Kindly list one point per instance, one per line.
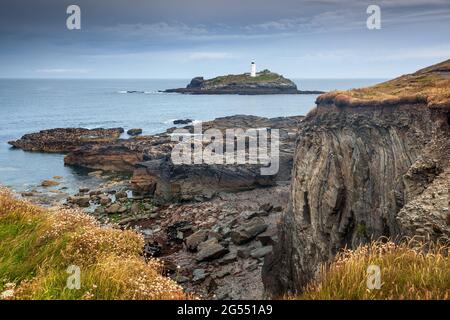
(367, 164)
(65, 139)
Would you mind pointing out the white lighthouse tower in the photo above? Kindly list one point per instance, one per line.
(253, 70)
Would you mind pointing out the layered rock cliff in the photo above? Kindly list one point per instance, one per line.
(368, 163)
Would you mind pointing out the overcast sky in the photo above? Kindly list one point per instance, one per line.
(186, 38)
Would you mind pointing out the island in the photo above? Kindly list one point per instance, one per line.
(264, 82)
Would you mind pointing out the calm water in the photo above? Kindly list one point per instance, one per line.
(32, 105)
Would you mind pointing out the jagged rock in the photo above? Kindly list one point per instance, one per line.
(244, 253)
(134, 132)
(135, 208)
(260, 252)
(116, 208)
(49, 183)
(121, 195)
(210, 250)
(195, 239)
(152, 249)
(268, 237)
(104, 200)
(182, 121)
(247, 231)
(175, 232)
(228, 258)
(267, 207)
(199, 275)
(221, 274)
(65, 139)
(81, 201)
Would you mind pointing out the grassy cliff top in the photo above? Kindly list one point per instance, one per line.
(430, 85)
(263, 76)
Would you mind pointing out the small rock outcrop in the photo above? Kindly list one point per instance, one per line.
(65, 139)
(134, 132)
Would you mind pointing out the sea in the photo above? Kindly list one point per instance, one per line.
(31, 105)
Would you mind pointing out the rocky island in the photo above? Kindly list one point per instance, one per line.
(264, 82)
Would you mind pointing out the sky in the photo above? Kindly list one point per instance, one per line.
(187, 38)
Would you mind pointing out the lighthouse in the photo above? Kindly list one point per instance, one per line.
(253, 70)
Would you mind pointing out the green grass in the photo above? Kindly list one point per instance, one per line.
(244, 78)
(37, 246)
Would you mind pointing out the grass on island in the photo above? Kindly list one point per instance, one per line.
(409, 270)
(263, 76)
(430, 85)
(38, 245)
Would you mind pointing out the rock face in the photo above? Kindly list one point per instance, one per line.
(265, 82)
(160, 178)
(248, 231)
(362, 169)
(65, 139)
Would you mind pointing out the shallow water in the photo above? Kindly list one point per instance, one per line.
(35, 104)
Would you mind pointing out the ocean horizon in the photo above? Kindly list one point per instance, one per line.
(31, 105)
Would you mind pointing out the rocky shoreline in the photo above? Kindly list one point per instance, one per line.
(212, 225)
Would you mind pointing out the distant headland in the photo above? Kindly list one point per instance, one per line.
(253, 83)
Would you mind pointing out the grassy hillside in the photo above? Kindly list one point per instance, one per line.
(430, 85)
(37, 246)
(408, 271)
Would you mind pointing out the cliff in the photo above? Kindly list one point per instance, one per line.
(265, 82)
(368, 163)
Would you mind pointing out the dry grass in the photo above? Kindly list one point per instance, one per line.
(409, 270)
(37, 246)
(430, 85)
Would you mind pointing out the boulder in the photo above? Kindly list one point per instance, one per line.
(116, 208)
(82, 201)
(182, 121)
(134, 132)
(176, 232)
(228, 258)
(49, 183)
(210, 250)
(104, 200)
(248, 231)
(195, 239)
(198, 275)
